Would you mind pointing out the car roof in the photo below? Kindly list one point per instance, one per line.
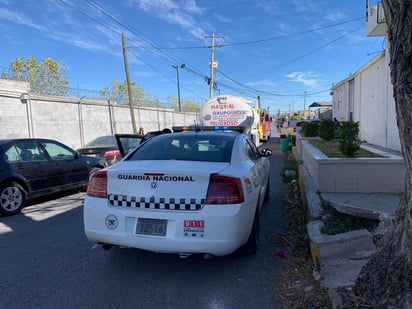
(21, 139)
(200, 133)
(28, 139)
(162, 146)
(104, 140)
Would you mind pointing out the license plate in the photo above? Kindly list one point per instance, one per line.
(151, 227)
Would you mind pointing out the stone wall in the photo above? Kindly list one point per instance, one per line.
(75, 121)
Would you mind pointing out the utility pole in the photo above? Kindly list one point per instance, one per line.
(129, 89)
(178, 86)
(304, 104)
(213, 64)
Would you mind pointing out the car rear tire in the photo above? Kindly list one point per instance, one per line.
(251, 246)
(12, 198)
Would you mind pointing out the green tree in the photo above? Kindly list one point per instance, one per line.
(118, 91)
(187, 105)
(47, 77)
(190, 106)
(151, 101)
(386, 280)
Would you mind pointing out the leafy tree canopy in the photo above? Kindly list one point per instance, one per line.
(46, 77)
(119, 92)
(187, 105)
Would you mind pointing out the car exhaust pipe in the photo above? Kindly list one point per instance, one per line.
(106, 247)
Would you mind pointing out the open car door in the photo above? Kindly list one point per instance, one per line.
(128, 142)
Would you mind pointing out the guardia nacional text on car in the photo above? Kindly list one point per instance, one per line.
(186, 193)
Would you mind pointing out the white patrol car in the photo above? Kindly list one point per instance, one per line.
(187, 192)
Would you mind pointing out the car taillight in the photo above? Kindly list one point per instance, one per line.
(111, 153)
(97, 186)
(224, 190)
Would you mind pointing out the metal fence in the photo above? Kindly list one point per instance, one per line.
(6, 73)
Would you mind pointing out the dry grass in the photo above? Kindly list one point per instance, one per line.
(331, 149)
(295, 286)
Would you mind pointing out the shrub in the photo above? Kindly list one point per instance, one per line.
(310, 129)
(349, 142)
(290, 165)
(326, 130)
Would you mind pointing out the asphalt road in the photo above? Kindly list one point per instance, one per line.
(47, 262)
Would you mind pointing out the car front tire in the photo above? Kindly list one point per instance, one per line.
(12, 198)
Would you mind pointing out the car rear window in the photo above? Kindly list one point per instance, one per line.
(102, 141)
(187, 147)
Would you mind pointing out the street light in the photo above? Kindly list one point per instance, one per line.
(178, 84)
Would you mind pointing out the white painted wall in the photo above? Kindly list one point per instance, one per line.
(72, 121)
(355, 175)
(374, 105)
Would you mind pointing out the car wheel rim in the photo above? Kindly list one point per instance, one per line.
(11, 198)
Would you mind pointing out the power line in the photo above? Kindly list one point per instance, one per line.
(163, 54)
(128, 27)
(266, 39)
(170, 57)
(256, 91)
(309, 52)
(87, 15)
(294, 34)
(173, 59)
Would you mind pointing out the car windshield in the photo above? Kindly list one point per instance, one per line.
(102, 141)
(186, 146)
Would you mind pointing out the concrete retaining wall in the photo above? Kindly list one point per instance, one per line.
(357, 175)
(75, 121)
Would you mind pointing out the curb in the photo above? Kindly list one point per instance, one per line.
(338, 258)
(352, 245)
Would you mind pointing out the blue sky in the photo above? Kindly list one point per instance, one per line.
(277, 49)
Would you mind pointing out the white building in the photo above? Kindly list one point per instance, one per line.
(367, 95)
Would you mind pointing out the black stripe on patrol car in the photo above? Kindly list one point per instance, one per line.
(155, 203)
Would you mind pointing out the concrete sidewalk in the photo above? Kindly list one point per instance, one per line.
(341, 257)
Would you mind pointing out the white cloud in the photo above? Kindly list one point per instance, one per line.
(181, 13)
(306, 79)
(190, 6)
(283, 27)
(258, 83)
(304, 5)
(222, 18)
(269, 7)
(19, 18)
(336, 16)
